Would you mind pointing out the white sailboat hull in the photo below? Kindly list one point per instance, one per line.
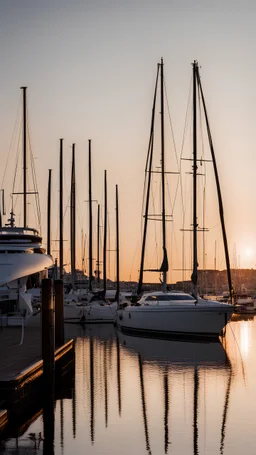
(90, 313)
(200, 320)
(97, 313)
(73, 313)
(18, 265)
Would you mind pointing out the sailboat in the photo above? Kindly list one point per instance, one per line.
(98, 309)
(21, 255)
(90, 306)
(168, 312)
(75, 299)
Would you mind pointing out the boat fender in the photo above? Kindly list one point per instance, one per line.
(120, 317)
(129, 315)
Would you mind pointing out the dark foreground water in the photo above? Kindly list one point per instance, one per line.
(138, 395)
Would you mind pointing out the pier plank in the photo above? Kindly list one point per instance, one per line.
(15, 357)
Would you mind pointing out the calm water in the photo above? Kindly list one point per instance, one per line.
(138, 395)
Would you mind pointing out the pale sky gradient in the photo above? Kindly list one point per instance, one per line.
(90, 68)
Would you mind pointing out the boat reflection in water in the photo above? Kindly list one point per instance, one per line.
(140, 395)
(171, 357)
(165, 352)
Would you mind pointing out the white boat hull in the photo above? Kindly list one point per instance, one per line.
(97, 313)
(18, 265)
(73, 313)
(192, 320)
(92, 313)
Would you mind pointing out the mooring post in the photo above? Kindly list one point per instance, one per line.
(59, 312)
(48, 337)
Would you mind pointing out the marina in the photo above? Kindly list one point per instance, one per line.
(56, 335)
(127, 228)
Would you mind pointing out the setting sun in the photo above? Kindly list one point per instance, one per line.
(249, 252)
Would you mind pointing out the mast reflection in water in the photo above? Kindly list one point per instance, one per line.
(151, 396)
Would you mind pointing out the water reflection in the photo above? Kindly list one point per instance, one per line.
(174, 354)
(195, 425)
(225, 413)
(118, 376)
(168, 356)
(92, 387)
(149, 396)
(143, 401)
(48, 424)
(166, 411)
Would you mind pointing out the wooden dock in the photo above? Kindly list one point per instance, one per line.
(15, 357)
(21, 371)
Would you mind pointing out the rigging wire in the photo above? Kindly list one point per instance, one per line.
(181, 181)
(174, 144)
(134, 256)
(155, 254)
(18, 118)
(202, 163)
(15, 200)
(172, 204)
(170, 121)
(149, 152)
(17, 164)
(34, 179)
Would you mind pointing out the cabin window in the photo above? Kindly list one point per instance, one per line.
(168, 297)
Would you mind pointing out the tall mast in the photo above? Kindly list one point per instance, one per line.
(163, 170)
(221, 210)
(117, 249)
(90, 218)
(73, 219)
(49, 214)
(194, 276)
(98, 245)
(24, 155)
(148, 171)
(61, 210)
(105, 234)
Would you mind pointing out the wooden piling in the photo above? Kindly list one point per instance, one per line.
(48, 337)
(59, 312)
